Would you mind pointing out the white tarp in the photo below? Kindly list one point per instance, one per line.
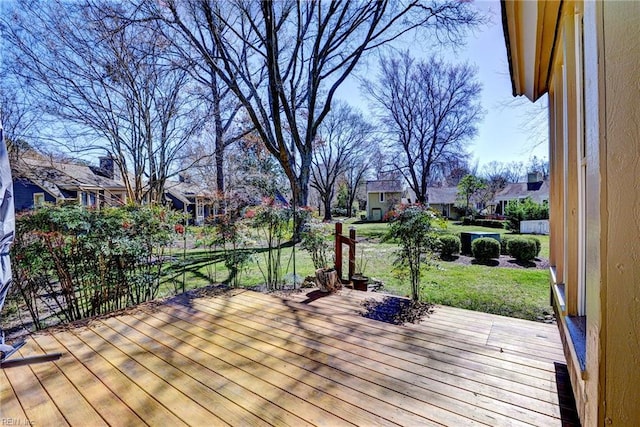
(7, 219)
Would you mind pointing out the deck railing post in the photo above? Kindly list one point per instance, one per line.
(352, 251)
(338, 250)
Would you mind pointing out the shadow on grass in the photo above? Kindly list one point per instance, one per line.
(488, 263)
(525, 264)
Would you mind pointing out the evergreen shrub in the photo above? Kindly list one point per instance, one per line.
(485, 248)
(449, 245)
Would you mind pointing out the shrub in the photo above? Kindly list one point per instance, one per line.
(316, 241)
(522, 248)
(413, 227)
(537, 243)
(449, 245)
(522, 210)
(90, 262)
(490, 223)
(338, 212)
(485, 248)
(504, 241)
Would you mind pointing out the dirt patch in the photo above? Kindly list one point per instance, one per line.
(396, 311)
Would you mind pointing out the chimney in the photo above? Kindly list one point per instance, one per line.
(534, 177)
(108, 166)
(534, 181)
(184, 177)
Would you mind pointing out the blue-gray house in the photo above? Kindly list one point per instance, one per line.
(38, 180)
(191, 198)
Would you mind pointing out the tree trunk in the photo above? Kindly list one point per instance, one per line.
(327, 280)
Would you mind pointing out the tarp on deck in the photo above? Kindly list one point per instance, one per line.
(7, 219)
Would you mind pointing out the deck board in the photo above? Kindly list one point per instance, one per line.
(246, 358)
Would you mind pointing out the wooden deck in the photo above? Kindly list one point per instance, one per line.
(252, 359)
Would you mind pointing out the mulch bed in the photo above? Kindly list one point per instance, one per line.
(504, 261)
(396, 311)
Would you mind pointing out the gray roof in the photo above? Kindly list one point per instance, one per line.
(537, 191)
(385, 185)
(442, 195)
(54, 176)
(187, 191)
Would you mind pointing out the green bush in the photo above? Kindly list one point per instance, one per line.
(316, 239)
(522, 210)
(504, 241)
(485, 248)
(537, 243)
(414, 228)
(522, 248)
(489, 223)
(91, 262)
(449, 245)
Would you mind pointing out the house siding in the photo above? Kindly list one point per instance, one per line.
(595, 191)
(374, 204)
(23, 192)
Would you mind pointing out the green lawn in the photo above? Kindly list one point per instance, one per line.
(522, 293)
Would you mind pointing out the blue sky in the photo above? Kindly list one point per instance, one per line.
(503, 135)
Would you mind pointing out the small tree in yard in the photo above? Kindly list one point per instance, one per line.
(273, 223)
(413, 227)
(315, 240)
(468, 187)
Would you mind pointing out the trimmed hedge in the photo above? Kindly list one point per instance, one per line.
(490, 223)
(505, 238)
(449, 245)
(504, 241)
(522, 248)
(485, 248)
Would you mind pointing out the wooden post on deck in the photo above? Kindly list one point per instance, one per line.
(338, 249)
(351, 242)
(352, 252)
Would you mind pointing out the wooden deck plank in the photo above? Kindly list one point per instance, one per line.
(459, 347)
(10, 408)
(420, 347)
(142, 401)
(72, 403)
(38, 407)
(168, 387)
(232, 403)
(200, 403)
(412, 376)
(110, 407)
(375, 396)
(247, 358)
(305, 384)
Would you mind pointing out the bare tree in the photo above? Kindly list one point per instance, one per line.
(355, 173)
(342, 140)
(431, 110)
(502, 173)
(19, 120)
(108, 83)
(305, 50)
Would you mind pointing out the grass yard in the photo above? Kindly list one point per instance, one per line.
(522, 293)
